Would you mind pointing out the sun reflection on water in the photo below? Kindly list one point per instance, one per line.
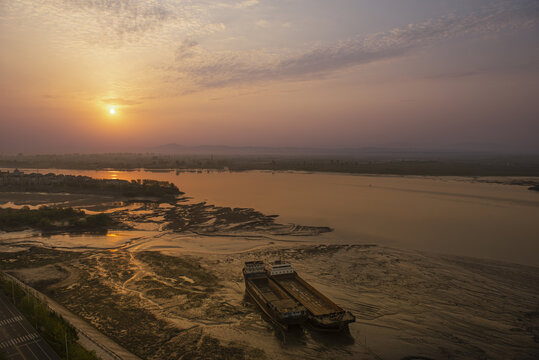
(112, 174)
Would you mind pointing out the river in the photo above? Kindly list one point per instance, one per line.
(434, 214)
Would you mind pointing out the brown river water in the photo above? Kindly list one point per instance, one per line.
(438, 214)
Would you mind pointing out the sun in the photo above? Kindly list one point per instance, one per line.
(112, 111)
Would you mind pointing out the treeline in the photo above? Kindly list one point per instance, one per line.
(51, 219)
(443, 164)
(18, 181)
(52, 327)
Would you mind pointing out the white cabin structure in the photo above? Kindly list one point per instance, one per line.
(279, 268)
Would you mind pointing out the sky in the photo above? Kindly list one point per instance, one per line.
(104, 75)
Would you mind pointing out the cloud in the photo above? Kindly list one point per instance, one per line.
(212, 28)
(522, 66)
(247, 3)
(262, 23)
(240, 5)
(185, 50)
(51, 97)
(122, 20)
(111, 23)
(207, 69)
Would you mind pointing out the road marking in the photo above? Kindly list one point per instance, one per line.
(11, 320)
(18, 340)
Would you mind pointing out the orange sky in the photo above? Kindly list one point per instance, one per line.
(424, 74)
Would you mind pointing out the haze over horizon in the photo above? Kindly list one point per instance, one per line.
(95, 76)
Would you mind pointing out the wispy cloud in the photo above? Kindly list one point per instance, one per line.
(522, 66)
(214, 69)
(241, 4)
(185, 50)
(262, 23)
(121, 20)
(153, 30)
(112, 23)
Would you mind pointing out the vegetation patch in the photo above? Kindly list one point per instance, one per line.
(54, 219)
(35, 257)
(18, 181)
(345, 161)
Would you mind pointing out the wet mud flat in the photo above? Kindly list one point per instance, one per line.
(205, 219)
(144, 301)
(408, 304)
(184, 217)
(179, 215)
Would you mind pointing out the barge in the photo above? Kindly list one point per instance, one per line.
(283, 310)
(323, 314)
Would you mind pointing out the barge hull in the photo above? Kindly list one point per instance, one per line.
(262, 305)
(324, 314)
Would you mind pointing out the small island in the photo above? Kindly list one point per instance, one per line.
(18, 181)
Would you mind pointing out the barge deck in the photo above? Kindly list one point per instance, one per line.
(324, 314)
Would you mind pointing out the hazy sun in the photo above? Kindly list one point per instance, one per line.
(112, 111)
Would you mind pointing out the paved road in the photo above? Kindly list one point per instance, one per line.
(89, 337)
(18, 339)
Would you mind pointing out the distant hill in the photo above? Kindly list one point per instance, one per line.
(366, 152)
(233, 150)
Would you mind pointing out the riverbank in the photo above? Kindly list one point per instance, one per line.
(391, 163)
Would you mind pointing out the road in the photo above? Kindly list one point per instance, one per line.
(18, 339)
(89, 337)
